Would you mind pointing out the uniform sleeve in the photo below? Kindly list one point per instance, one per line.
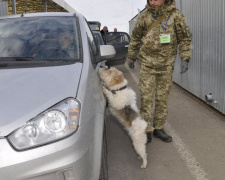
(136, 39)
(184, 36)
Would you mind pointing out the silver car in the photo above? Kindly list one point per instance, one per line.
(52, 107)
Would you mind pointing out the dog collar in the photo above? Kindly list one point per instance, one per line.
(114, 91)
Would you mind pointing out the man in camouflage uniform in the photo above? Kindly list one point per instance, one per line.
(157, 49)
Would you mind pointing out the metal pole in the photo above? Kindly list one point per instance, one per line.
(14, 6)
(46, 5)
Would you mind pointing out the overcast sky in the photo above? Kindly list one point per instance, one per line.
(111, 13)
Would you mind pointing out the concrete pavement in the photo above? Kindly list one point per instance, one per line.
(196, 153)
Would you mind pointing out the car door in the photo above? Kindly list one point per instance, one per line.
(120, 41)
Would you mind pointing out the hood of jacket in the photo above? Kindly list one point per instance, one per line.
(171, 4)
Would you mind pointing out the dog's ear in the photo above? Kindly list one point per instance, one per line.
(118, 78)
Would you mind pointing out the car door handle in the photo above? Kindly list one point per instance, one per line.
(126, 45)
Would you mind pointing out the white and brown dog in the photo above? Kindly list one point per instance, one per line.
(122, 103)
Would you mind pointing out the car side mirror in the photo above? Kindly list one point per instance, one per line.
(107, 52)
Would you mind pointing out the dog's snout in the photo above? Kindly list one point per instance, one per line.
(104, 67)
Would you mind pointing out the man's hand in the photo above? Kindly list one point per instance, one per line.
(184, 66)
(131, 64)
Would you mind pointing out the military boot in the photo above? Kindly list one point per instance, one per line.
(149, 137)
(161, 134)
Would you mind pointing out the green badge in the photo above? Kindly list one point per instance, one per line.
(165, 38)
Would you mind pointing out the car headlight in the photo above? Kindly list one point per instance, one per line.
(55, 123)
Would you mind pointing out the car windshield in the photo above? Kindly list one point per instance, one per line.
(39, 38)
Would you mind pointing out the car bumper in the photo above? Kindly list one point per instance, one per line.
(68, 159)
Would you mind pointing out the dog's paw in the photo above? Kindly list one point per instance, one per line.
(104, 89)
(143, 166)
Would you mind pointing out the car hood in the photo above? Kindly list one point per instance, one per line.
(26, 92)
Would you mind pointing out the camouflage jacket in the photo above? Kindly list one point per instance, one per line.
(147, 47)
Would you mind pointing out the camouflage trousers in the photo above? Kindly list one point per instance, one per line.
(155, 85)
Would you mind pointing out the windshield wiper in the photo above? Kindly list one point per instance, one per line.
(17, 58)
(24, 58)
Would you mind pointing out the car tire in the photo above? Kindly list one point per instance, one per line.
(104, 163)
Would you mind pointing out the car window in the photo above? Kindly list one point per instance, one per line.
(39, 38)
(95, 26)
(125, 39)
(92, 45)
(91, 39)
(114, 38)
(98, 37)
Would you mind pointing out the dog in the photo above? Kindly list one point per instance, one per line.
(122, 103)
